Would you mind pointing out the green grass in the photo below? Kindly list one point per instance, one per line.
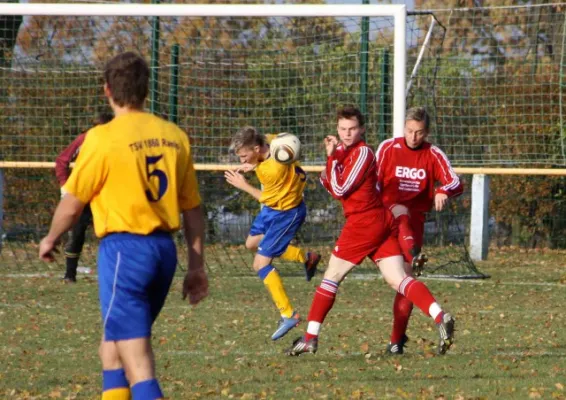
(510, 343)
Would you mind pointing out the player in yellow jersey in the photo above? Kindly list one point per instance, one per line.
(138, 176)
(282, 214)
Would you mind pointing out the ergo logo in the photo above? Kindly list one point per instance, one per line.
(411, 173)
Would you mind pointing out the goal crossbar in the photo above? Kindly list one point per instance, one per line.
(397, 12)
(204, 10)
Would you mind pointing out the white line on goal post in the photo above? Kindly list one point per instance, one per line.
(397, 11)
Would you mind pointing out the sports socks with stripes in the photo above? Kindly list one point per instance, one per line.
(115, 385)
(417, 292)
(322, 303)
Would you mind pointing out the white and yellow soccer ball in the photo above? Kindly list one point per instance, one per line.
(285, 148)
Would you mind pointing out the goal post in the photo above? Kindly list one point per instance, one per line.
(278, 67)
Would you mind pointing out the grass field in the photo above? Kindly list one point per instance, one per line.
(510, 343)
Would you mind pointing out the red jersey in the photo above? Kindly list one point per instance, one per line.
(408, 176)
(350, 177)
(67, 156)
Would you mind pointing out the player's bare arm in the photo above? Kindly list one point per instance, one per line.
(195, 284)
(237, 180)
(66, 215)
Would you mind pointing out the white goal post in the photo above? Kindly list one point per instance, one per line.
(397, 12)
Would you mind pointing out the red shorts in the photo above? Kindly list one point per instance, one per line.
(371, 234)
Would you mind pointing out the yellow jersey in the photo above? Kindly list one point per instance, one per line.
(282, 185)
(137, 174)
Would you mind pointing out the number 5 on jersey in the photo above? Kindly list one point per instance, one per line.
(152, 173)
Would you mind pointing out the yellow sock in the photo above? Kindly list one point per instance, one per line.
(275, 287)
(294, 253)
(117, 394)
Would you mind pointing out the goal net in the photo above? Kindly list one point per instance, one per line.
(213, 75)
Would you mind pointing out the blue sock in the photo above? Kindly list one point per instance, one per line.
(114, 378)
(262, 273)
(147, 390)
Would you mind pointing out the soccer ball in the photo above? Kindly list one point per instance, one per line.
(285, 148)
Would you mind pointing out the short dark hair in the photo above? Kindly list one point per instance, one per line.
(248, 136)
(103, 118)
(127, 77)
(350, 112)
(418, 114)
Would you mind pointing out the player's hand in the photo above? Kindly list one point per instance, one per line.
(195, 285)
(440, 201)
(47, 248)
(330, 144)
(246, 167)
(235, 179)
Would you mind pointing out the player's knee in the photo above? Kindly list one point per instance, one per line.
(337, 269)
(251, 244)
(392, 270)
(334, 276)
(137, 359)
(393, 283)
(260, 262)
(398, 209)
(109, 356)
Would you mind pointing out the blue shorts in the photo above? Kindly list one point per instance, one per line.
(135, 273)
(278, 228)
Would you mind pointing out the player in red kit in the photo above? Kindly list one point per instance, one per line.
(370, 231)
(77, 234)
(407, 170)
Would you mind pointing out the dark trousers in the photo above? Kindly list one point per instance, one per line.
(74, 246)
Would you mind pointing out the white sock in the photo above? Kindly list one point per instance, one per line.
(313, 328)
(434, 310)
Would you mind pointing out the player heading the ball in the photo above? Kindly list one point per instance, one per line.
(280, 218)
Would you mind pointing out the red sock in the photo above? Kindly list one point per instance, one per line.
(322, 303)
(402, 309)
(418, 293)
(406, 238)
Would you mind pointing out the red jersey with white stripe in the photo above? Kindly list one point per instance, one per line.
(350, 177)
(408, 176)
